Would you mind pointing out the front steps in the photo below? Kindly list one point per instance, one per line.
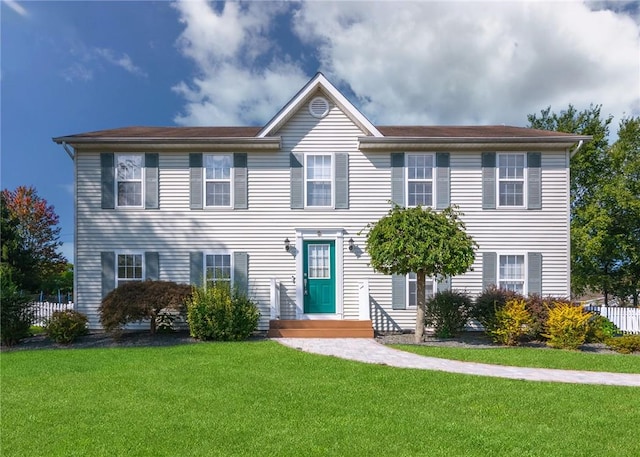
(320, 329)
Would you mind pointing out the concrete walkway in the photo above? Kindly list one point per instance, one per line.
(369, 351)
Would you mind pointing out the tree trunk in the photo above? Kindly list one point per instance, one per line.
(152, 323)
(421, 306)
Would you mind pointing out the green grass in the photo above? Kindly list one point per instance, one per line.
(260, 398)
(532, 357)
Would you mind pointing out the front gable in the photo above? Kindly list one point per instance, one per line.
(316, 89)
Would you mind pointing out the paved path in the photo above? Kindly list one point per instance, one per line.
(369, 351)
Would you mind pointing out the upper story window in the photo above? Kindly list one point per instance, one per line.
(129, 179)
(511, 273)
(218, 179)
(511, 178)
(420, 179)
(129, 267)
(218, 269)
(319, 180)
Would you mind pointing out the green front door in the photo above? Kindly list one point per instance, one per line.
(319, 277)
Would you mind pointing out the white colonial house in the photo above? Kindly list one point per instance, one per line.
(279, 210)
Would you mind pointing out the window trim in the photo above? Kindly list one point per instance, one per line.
(205, 180)
(523, 180)
(143, 271)
(525, 269)
(432, 180)
(408, 281)
(231, 266)
(332, 180)
(141, 180)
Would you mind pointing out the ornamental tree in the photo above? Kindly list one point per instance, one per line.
(421, 241)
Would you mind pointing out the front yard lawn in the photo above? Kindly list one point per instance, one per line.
(260, 398)
(532, 357)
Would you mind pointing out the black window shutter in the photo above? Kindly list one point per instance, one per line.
(296, 162)
(489, 269)
(534, 272)
(195, 178)
(240, 271)
(397, 178)
(534, 180)
(398, 291)
(196, 268)
(151, 183)
(240, 183)
(108, 264)
(108, 176)
(152, 265)
(342, 180)
(443, 185)
(488, 180)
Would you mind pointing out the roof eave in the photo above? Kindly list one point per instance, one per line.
(270, 143)
(387, 143)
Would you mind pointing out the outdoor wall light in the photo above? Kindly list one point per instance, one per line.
(287, 244)
(351, 244)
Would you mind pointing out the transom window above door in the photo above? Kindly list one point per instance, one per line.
(319, 180)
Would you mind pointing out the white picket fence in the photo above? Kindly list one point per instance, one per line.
(626, 319)
(43, 310)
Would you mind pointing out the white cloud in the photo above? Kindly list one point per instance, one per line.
(414, 62)
(124, 61)
(18, 8)
(237, 82)
(457, 63)
(77, 72)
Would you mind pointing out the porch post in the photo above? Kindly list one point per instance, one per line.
(274, 308)
(364, 310)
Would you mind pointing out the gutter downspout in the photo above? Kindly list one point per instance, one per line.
(69, 152)
(576, 149)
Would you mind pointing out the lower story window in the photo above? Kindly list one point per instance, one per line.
(412, 289)
(218, 269)
(511, 273)
(129, 268)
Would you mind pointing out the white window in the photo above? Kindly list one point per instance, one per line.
(319, 261)
(319, 180)
(129, 267)
(511, 169)
(129, 179)
(218, 269)
(218, 179)
(511, 273)
(420, 179)
(412, 289)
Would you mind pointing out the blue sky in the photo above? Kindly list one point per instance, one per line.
(71, 67)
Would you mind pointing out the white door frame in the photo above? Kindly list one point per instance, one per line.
(328, 234)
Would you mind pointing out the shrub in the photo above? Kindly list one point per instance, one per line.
(538, 308)
(488, 303)
(447, 312)
(512, 323)
(16, 314)
(139, 300)
(601, 329)
(220, 313)
(567, 326)
(65, 326)
(625, 344)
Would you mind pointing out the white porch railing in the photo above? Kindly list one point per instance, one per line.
(274, 299)
(364, 310)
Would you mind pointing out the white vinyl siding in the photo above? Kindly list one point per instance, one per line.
(420, 188)
(129, 180)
